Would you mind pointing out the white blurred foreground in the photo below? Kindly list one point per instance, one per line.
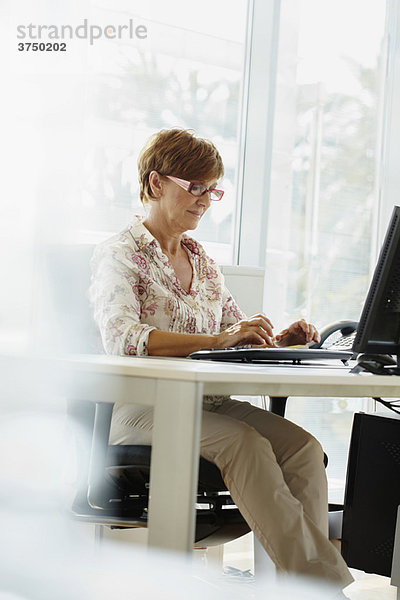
(45, 554)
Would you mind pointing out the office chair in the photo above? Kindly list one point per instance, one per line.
(113, 486)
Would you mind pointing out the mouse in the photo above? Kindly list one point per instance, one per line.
(379, 359)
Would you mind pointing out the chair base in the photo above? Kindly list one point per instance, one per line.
(132, 513)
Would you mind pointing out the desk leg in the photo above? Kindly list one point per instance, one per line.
(277, 405)
(175, 465)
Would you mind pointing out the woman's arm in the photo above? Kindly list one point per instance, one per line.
(115, 294)
(166, 343)
(257, 330)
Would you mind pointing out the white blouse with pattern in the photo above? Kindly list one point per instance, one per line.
(135, 290)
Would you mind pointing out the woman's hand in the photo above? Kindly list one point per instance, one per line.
(255, 331)
(297, 333)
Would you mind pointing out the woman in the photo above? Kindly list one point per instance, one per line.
(156, 292)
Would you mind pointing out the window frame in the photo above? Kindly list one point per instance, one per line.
(256, 140)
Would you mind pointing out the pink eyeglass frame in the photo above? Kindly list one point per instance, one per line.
(188, 185)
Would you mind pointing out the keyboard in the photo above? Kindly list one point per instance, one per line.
(265, 355)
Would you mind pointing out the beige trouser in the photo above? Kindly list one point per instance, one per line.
(275, 473)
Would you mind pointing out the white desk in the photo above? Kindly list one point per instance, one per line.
(175, 388)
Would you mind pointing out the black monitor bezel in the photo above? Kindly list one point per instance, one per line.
(371, 311)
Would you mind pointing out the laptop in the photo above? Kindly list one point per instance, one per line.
(246, 354)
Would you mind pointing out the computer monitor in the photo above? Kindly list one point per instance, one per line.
(379, 326)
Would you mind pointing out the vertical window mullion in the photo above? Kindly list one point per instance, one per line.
(257, 132)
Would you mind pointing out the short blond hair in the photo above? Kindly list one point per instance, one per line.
(180, 153)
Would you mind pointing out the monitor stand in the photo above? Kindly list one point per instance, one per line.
(379, 364)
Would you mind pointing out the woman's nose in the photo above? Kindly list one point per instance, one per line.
(205, 199)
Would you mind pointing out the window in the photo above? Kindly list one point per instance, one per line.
(75, 122)
(187, 73)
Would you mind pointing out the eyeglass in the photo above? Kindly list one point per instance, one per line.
(197, 189)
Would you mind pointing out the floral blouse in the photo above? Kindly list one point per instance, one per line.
(135, 290)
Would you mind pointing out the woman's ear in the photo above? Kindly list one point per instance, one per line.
(156, 184)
